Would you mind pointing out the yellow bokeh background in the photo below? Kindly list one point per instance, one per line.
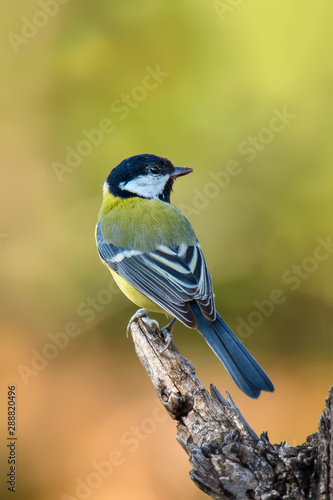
(223, 71)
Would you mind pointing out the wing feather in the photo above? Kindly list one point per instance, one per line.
(171, 277)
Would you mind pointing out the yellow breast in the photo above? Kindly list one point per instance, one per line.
(134, 295)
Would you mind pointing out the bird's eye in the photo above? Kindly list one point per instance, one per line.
(154, 170)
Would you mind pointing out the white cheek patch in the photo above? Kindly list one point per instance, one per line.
(105, 188)
(148, 186)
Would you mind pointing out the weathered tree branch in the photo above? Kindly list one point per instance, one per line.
(229, 460)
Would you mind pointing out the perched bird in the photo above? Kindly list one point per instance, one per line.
(156, 260)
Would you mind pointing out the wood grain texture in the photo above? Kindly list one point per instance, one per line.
(229, 460)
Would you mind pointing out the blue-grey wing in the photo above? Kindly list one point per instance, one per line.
(172, 278)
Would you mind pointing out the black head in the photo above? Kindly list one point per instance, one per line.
(144, 176)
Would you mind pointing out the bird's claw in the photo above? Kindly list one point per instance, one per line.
(166, 331)
(167, 339)
(151, 323)
(139, 314)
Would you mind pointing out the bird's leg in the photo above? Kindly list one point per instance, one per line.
(167, 332)
(142, 313)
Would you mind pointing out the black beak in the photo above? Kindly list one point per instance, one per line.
(179, 171)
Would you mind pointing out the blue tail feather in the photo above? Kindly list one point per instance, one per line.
(241, 365)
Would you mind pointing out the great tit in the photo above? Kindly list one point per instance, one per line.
(156, 260)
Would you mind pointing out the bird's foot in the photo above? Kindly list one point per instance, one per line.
(142, 313)
(151, 323)
(167, 332)
(167, 339)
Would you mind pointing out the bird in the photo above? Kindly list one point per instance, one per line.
(156, 260)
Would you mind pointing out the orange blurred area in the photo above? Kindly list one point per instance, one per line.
(89, 422)
(243, 95)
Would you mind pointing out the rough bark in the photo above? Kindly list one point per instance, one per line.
(229, 460)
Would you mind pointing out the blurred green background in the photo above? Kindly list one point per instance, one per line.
(222, 73)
